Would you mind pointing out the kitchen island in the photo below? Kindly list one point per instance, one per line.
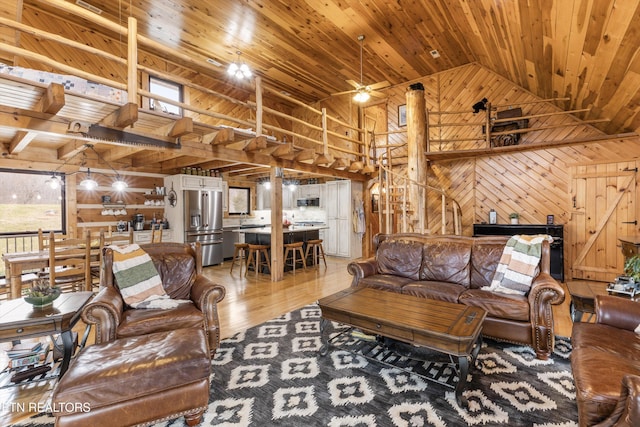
(295, 233)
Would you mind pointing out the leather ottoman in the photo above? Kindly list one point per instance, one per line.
(136, 381)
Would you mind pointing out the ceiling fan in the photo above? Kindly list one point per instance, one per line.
(364, 92)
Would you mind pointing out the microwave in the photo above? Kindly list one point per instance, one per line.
(313, 201)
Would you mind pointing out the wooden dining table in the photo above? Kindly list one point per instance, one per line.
(17, 262)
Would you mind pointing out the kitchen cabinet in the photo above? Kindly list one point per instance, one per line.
(143, 237)
(337, 239)
(263, 198)
(311, 191)
(194, 182)
(225, 196)
(289, 199)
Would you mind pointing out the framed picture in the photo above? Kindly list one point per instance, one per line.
(375, 203)
(402, 115)
(239, 200)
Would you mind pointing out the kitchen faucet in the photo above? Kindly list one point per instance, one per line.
(243, 217)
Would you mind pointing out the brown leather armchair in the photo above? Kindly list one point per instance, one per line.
(605, 364)
(180, 268)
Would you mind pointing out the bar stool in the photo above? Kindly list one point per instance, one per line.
(240, 253)
(294, 248)
(255, 252)
(315, 247)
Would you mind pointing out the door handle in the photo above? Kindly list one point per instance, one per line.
(635, 222)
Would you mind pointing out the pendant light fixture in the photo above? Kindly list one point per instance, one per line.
(239, 70)
(88, 183)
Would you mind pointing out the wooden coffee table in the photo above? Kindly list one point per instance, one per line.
(453, 329)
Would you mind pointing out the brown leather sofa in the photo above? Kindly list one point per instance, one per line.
(605, 361)
(458, 269)
(180, 268)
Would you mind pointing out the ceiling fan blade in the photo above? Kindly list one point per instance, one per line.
(344, 93)
(377, 94)
(354, 84)
(379, 85)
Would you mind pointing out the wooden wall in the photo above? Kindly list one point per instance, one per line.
(532, 183)
(86, 210)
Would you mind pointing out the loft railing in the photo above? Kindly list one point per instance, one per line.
(315, 132)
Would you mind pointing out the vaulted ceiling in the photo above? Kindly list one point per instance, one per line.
(581, 49)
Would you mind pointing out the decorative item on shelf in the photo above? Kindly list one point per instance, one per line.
(172, 197)
(493, 217)
(41, 294)
(514, 217)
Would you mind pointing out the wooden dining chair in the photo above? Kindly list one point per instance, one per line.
(70, 263)
(107, 239)
(43, 239)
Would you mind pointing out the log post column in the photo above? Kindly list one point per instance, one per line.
(417, 162)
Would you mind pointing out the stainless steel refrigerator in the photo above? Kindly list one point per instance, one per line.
(203, 223)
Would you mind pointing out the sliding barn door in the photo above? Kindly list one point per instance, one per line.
(603, 208)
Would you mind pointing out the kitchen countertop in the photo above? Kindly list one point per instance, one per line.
(291, 229)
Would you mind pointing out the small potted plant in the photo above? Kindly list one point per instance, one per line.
(41, 294)
(632, 268)
(514, 217)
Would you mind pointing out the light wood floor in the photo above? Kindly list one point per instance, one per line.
(250, 300)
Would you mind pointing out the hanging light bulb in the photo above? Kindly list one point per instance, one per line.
(89, 183)
(119, 184)
(54, 182)
(267, 185)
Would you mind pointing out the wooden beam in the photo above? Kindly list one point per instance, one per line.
(308, 154)
(222, 136)
(180, 127)
(20, 141)
(70, 149)
(323, 159)
(339, 163)
(124, 116)
(277, 236)
(356, 166)
(253, 144)
(52, 100)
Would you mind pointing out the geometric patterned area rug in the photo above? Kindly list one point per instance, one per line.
(273, 375)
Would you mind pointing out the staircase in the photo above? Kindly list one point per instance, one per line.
(398, 214)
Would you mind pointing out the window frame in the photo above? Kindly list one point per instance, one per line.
(63, 201)
(166, 82)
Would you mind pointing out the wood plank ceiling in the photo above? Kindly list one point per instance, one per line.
(585, 50)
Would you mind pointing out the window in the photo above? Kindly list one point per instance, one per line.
(165, 89)
(27, 203)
